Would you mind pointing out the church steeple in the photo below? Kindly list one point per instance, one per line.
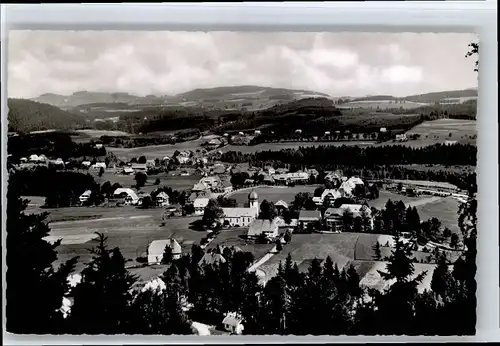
(253, 200)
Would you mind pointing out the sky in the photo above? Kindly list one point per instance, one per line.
(167, 63)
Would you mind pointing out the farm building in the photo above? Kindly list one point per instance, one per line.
(329, 195)
(241, 217)
(307, 217)
(267, 227)
(85, 196)
(150, 163)
(233, 323)
(211, 257)
(129, 195)
(86, 164)
(334, 219)
(98, 166)
(281, 206)
(211, 181)
(157, 247)
(162, 199)
(128, 170)
(199, 205)
(141, 167)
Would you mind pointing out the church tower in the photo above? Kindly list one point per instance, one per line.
(253, 200)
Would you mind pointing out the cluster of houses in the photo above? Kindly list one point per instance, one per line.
(129, 197)
(37, 160)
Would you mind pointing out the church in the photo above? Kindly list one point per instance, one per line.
(242, 217)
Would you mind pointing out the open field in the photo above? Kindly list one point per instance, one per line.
(128, 228)
(158, 151)
(305, 247)
(443, 208)
(272, 193)
(438, 131)
(382, 104)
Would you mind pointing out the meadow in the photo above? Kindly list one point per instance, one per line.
(382, 104)
(438, 131)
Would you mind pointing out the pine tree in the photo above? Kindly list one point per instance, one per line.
(35, 290)
(442, 280)
(103, 298)
(396, 306)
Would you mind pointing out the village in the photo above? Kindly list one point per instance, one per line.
(268, 211)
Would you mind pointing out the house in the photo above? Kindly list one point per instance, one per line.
(211, 257)
(162, 199)
(307, 217)
(450, 142)
(328, 195)
(42, 158)
(327, 133)
(219, 169)
(233, 323)
(298, 131)
(334, 219)
(281, 205)
(150, 163)
(128, 170)
(140, 167)
(157, 247)
(215, 142)
(211, 182)
(34, 158)
(129, 195)
(199, 205)
(59, 162)
(249, 182)
(267, 179)
(401, 138)
(23, 159)
(85, 196)
(357, 209)
(226, 185)
(261, 226)
(298, 177)
(98, 166)
(242, 217)
(198, 187)
(346, 189)
(86, 164)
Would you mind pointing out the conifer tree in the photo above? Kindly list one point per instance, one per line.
(35, 290)
(103, 298)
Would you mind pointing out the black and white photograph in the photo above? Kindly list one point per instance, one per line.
(241, 183)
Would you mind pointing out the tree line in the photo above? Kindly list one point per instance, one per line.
(323, 300)
(459, 154)
(51, 144)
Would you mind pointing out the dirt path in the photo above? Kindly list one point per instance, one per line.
(423, 201)
(71, 222)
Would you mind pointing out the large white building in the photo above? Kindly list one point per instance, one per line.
(157, 247)
(242, 217)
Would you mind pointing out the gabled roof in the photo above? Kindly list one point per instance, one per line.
(212, 258)
(309, 215)
(259, 226)
(162, 195)
(333, 212)
(157, 247)
(127, 191)
(281, 203)
(201, 202)
(232, 319)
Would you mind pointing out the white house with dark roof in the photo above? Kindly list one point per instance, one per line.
(157, 247)
(200, 204)
(129, 195)
(211, 258)
(307, 217)
(233, 323)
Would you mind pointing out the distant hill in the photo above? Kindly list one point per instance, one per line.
(440, 96)
(224, 98)
(246, 91)
(86, 97)
(434, 97)
(26, 115)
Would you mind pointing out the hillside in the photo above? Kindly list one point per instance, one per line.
(439, 96)
(434, 97)
(225, 98)
(25, 116)
(86, 98)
